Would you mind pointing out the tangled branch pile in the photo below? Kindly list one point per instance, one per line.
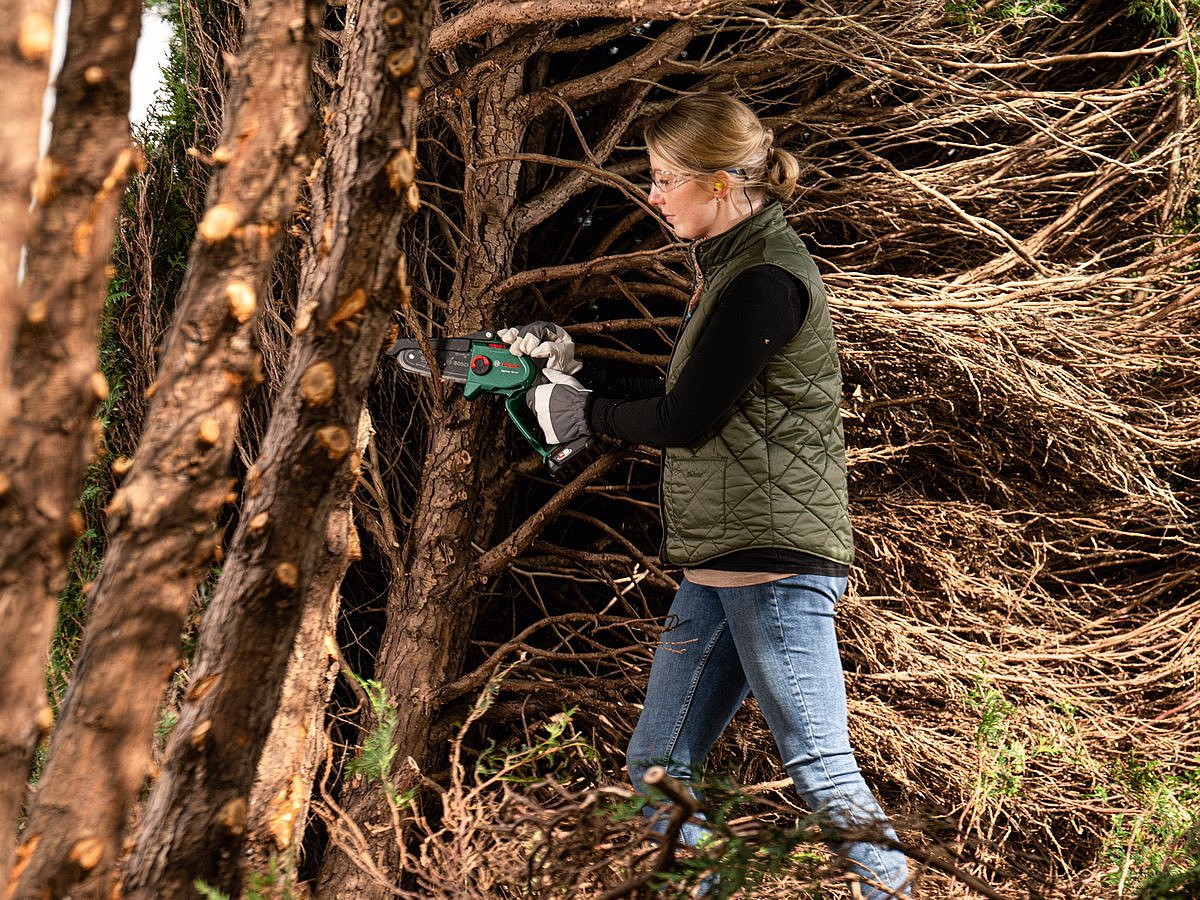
(1002, 199)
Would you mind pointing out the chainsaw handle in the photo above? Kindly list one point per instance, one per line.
(512, 404)
(563, 460)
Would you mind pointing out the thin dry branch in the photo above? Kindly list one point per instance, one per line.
(498, 14)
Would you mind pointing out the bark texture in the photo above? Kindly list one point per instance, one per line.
(296, 746)
(162, 519)
(435, 589)
(431, 600)
(351, 281)
(26, 30)
(48, 439)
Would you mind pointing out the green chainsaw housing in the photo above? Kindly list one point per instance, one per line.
(483, 364)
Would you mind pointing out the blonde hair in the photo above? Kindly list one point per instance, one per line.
(705, 133)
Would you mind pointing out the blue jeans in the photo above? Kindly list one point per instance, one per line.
(777, 640)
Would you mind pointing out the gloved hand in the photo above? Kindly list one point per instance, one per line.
(560, 404)
(543, 340)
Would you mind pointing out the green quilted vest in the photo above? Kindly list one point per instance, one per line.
(772, 473)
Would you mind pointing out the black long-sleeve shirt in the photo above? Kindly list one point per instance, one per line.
(758, 312)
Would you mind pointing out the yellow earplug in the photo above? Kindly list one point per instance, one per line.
(718, 185)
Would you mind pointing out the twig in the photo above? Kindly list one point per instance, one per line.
(511, 547)
(685, 806)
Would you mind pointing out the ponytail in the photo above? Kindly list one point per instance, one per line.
(783, 171)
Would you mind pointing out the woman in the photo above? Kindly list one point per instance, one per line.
(754, 476)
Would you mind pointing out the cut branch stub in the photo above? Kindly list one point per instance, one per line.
(167, 518)
(36, 36)
(45, 183)
(210, 432)
(199, 736)
(242, 301)
(202, 687)
(218, 223)
(287, 575)
(36, 312)
(352, 306)
(400, 62)
(317, 384)
(87, 853)
(401, 170)
(232, 816)
(335, 439)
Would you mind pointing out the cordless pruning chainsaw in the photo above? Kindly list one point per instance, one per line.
(482, 362)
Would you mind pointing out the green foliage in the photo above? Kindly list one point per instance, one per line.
(1154, 850)
(1001, 759)
(1028, 9)
(88, 550)
(1137, 79)
(1163, 17)
(175, 111)
(735, 858)
(528, 764)
(269, 885)
(616, 809)
(168, 718)
(523, 763)
(555, 746)
(1188, 221)
(974, 13)
(374, 759)
(1162, 14)
(1179, 877)
(207, 891)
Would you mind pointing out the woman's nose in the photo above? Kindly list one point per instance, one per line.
(656, 196)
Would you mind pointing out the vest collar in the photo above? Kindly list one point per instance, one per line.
(730, 243)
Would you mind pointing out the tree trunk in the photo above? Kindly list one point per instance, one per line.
(47, 441)
(433, 598)
(349, 287)
(162, 519)
(432, 602)
(25, 43)
(296, 745)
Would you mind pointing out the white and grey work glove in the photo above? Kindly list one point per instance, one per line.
(543, 340)
(560, 404)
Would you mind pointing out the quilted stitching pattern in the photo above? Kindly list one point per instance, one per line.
(773, 474)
